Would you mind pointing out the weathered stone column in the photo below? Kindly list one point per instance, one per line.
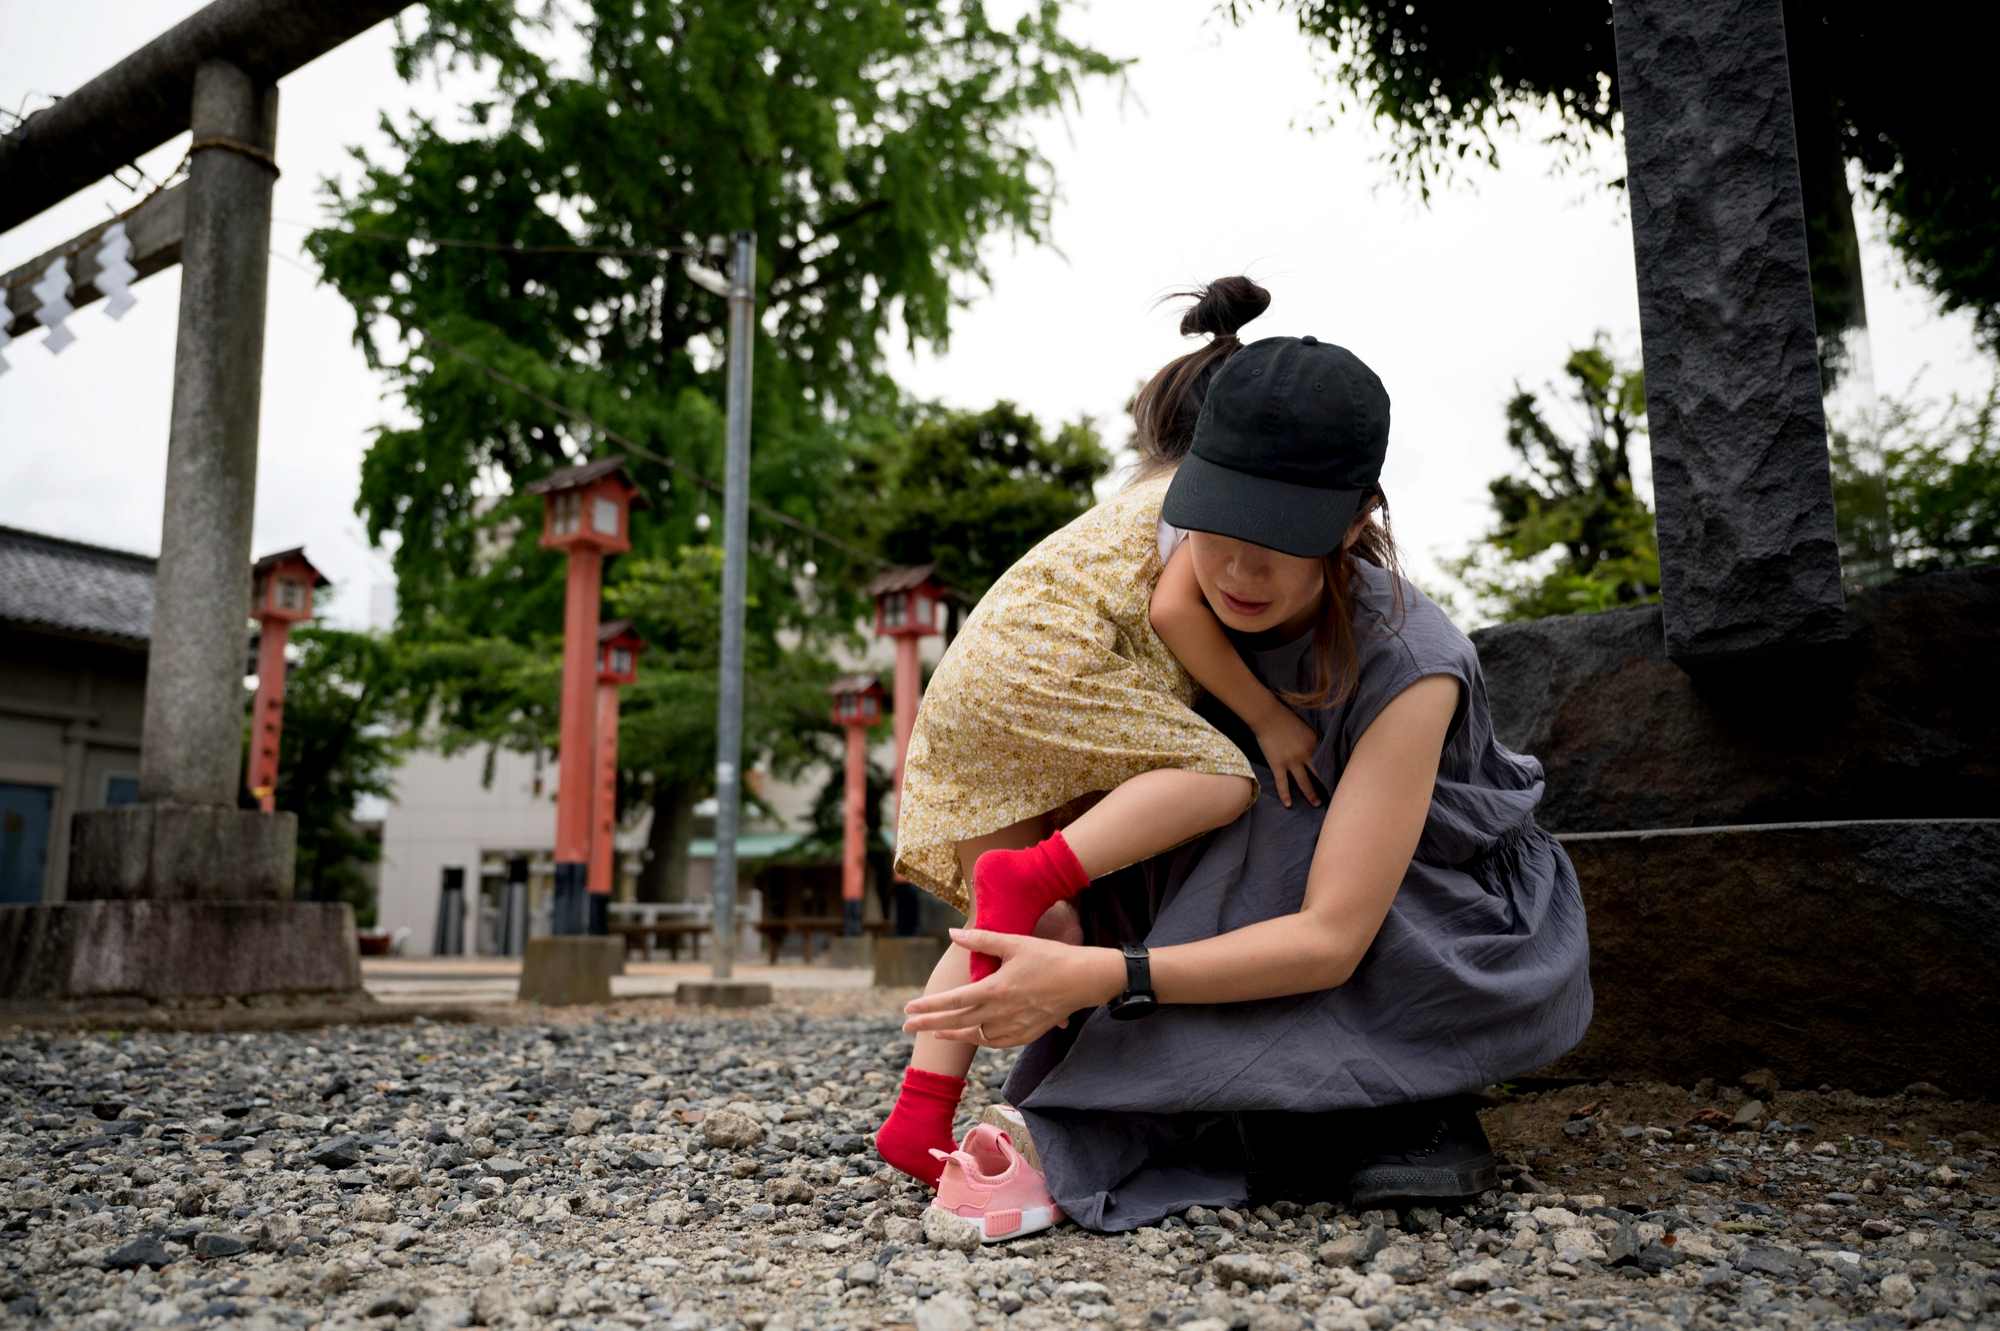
(193, 737)
(1748, 560)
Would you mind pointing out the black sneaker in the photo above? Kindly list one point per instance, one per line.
(1434, 1150)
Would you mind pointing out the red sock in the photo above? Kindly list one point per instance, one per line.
(1012, 889)
(921, 1120)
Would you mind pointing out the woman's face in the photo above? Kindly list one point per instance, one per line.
(1254, 589)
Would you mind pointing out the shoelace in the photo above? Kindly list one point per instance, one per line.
(1438, 1129)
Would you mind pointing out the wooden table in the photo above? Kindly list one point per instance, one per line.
(642, 935)
(811, 926)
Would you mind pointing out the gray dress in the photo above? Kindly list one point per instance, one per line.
(1479, 973)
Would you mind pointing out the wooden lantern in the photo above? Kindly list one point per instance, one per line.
(909, 602)
(590, 505)
(857, 701)
(618, 649)
(281, 586)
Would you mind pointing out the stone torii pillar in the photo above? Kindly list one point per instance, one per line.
(185, 894)
(1749, 566)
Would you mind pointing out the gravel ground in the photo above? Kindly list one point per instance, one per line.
(635, 1167)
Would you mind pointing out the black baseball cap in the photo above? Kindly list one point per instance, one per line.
(1289, 443)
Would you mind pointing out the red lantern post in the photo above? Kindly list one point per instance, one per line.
(281, 595)
(586, 513)
(857, 706)
(618, 649)
(908, 604)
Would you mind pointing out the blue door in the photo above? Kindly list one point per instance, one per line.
(25, 813)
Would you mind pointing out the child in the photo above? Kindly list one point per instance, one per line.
(1074, 678)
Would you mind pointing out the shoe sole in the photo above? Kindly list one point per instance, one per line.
(1370, 1187)
(1008, 1119)
(1000, 1226)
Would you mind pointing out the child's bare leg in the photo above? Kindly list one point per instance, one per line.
(1150, 813)
(935, 1079)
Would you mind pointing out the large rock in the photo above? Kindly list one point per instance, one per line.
(176, 949)
(1748, 559)
(1896, 721)
(1858, 954)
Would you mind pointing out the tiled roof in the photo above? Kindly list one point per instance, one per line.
(69, 587)
(298, 552)
(901, 579)
(570, 477)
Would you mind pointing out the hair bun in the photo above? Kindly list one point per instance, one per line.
(1223, 306)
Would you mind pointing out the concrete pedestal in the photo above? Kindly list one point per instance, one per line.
(907, 963)
(722, 993)
(849, 953)
(176, 949)
(570, 969)
(171, 853)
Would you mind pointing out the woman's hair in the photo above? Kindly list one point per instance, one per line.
(1336, 659)
(1164, 410)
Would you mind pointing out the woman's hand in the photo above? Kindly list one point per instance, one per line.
(1039, 984)
(1288, 744)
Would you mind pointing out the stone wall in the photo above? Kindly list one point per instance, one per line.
(1899, 720)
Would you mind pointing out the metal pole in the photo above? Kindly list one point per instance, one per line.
(735, 560)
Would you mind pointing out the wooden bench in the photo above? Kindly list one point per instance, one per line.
(643, 935)
(810, 927)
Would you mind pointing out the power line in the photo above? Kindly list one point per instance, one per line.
(506, 247)
(630, 445)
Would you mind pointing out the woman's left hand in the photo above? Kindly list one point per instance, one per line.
(1039, 984)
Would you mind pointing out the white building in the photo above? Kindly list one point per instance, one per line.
(446, 814)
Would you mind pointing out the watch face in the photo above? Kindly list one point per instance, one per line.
(1131, 1007)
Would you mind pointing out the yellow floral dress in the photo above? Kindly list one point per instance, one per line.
(1056, 687)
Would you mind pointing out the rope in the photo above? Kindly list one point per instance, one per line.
(240, 148)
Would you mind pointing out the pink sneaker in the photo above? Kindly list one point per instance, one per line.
(988, 1182)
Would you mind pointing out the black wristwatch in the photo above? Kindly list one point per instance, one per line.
(1137, 1001)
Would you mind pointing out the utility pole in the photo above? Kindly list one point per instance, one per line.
(721, 988)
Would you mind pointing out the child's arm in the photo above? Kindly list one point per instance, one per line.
(1193, 634)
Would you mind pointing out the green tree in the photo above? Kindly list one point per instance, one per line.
(1570, 534)
(519, 274)
(972, 491)
(342, 696)
(1896, 94)
(1939, 471)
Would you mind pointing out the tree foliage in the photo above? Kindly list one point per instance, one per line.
(1899, 95)
(972, 491)
(1940, 476)
(520, 273)
(1570, 532)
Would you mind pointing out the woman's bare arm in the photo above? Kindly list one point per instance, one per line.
(1364, 849)
(1371, 830)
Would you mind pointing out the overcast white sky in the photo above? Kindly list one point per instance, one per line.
(1202, 164)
